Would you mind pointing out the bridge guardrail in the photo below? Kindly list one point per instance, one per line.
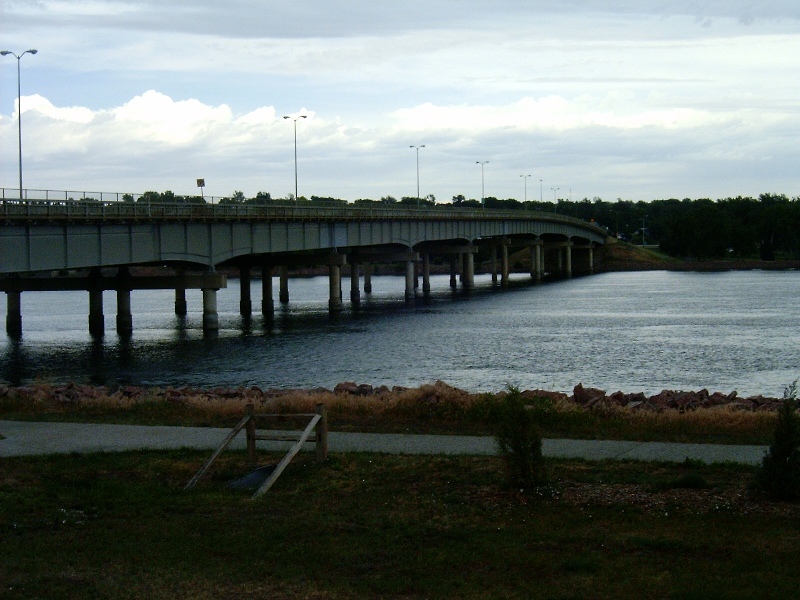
(14, 210)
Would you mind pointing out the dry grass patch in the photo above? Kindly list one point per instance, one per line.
(435, 408)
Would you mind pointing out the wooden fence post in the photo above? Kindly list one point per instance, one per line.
(250, 430)
(322, 434)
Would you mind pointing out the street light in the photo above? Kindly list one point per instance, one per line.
(295, 151)
(555, 201)
(19, 108)
(540, 191)
(417, 149)
(525, 179)
(483, 192)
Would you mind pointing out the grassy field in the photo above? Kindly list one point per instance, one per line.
(376, 526)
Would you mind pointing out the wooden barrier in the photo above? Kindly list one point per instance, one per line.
(318, 424)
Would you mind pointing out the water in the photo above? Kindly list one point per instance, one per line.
(616, 331)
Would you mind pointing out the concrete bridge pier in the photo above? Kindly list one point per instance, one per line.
(335, 283)
(180, 297)
(367, 278)
(283, 293)
(14, 314)
(504, 263)
(469, 270)
(568, 252)
(536, 261)
(124, 317)
(210, 315)
(410, 280)
(426, 274)
(267, 303)
(454, 271)
(245, 298)
(494, 264)
(97, 325)
(355, 281)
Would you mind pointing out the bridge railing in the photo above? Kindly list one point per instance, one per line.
(61, 206)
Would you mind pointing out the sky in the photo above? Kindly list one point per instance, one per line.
(571, 99)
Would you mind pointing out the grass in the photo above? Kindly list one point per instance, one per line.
(375, 526)
(435, 408)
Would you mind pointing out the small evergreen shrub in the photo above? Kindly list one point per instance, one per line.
(519, 442)
(779, 474)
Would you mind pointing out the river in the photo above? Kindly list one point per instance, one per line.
(642, 331)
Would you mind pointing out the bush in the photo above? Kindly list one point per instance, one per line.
(519, 442)
(779, 474)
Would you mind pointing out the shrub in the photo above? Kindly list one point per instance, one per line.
(519, 442)
(779, 474)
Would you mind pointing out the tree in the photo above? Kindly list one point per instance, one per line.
(519, 442)
(779, 474)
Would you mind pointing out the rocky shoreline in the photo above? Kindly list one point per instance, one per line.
(584, 397)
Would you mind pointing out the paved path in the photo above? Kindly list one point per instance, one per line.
(26, 438)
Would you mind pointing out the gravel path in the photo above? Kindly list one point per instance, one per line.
(27, 438)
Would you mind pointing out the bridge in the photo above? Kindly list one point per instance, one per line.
(97, 245)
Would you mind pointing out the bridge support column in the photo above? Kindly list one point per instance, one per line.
(245, 299)
(97, 326)
(454, 271)
(536, 261)
(124, 318)
(504, 264)
(591, 258)
(335, 283)
(355, 288)
(283, 294)
(14, 314)
(267, 303)
(494, 264)
(426, 274)
(469, 271)
(210, 315)
(568, 252)
(180, 298)
(367, 278)
(410, 279)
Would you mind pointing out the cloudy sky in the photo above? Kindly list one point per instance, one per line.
(632, 99)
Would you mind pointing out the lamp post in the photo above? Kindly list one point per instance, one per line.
(643, 218)
(295, 151)
(417, 149)
(483, 192)
(19, 108)
(540, 191)
(525, 179)
(555, 200)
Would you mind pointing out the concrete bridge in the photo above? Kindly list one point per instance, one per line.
(96, 245)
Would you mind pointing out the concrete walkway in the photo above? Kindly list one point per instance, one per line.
(26, 438)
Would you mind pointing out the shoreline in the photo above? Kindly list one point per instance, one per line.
(582, 397)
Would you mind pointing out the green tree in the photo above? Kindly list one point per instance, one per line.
(519, 442)
(779, 474)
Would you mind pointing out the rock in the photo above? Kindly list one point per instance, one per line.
(587, 396)
(346, 387)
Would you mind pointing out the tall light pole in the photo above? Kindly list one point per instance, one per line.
(19, 108)
(555, 200)
(417, 149)
(483, 189)
(540, 191)
(525, 179)
(295, 151)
